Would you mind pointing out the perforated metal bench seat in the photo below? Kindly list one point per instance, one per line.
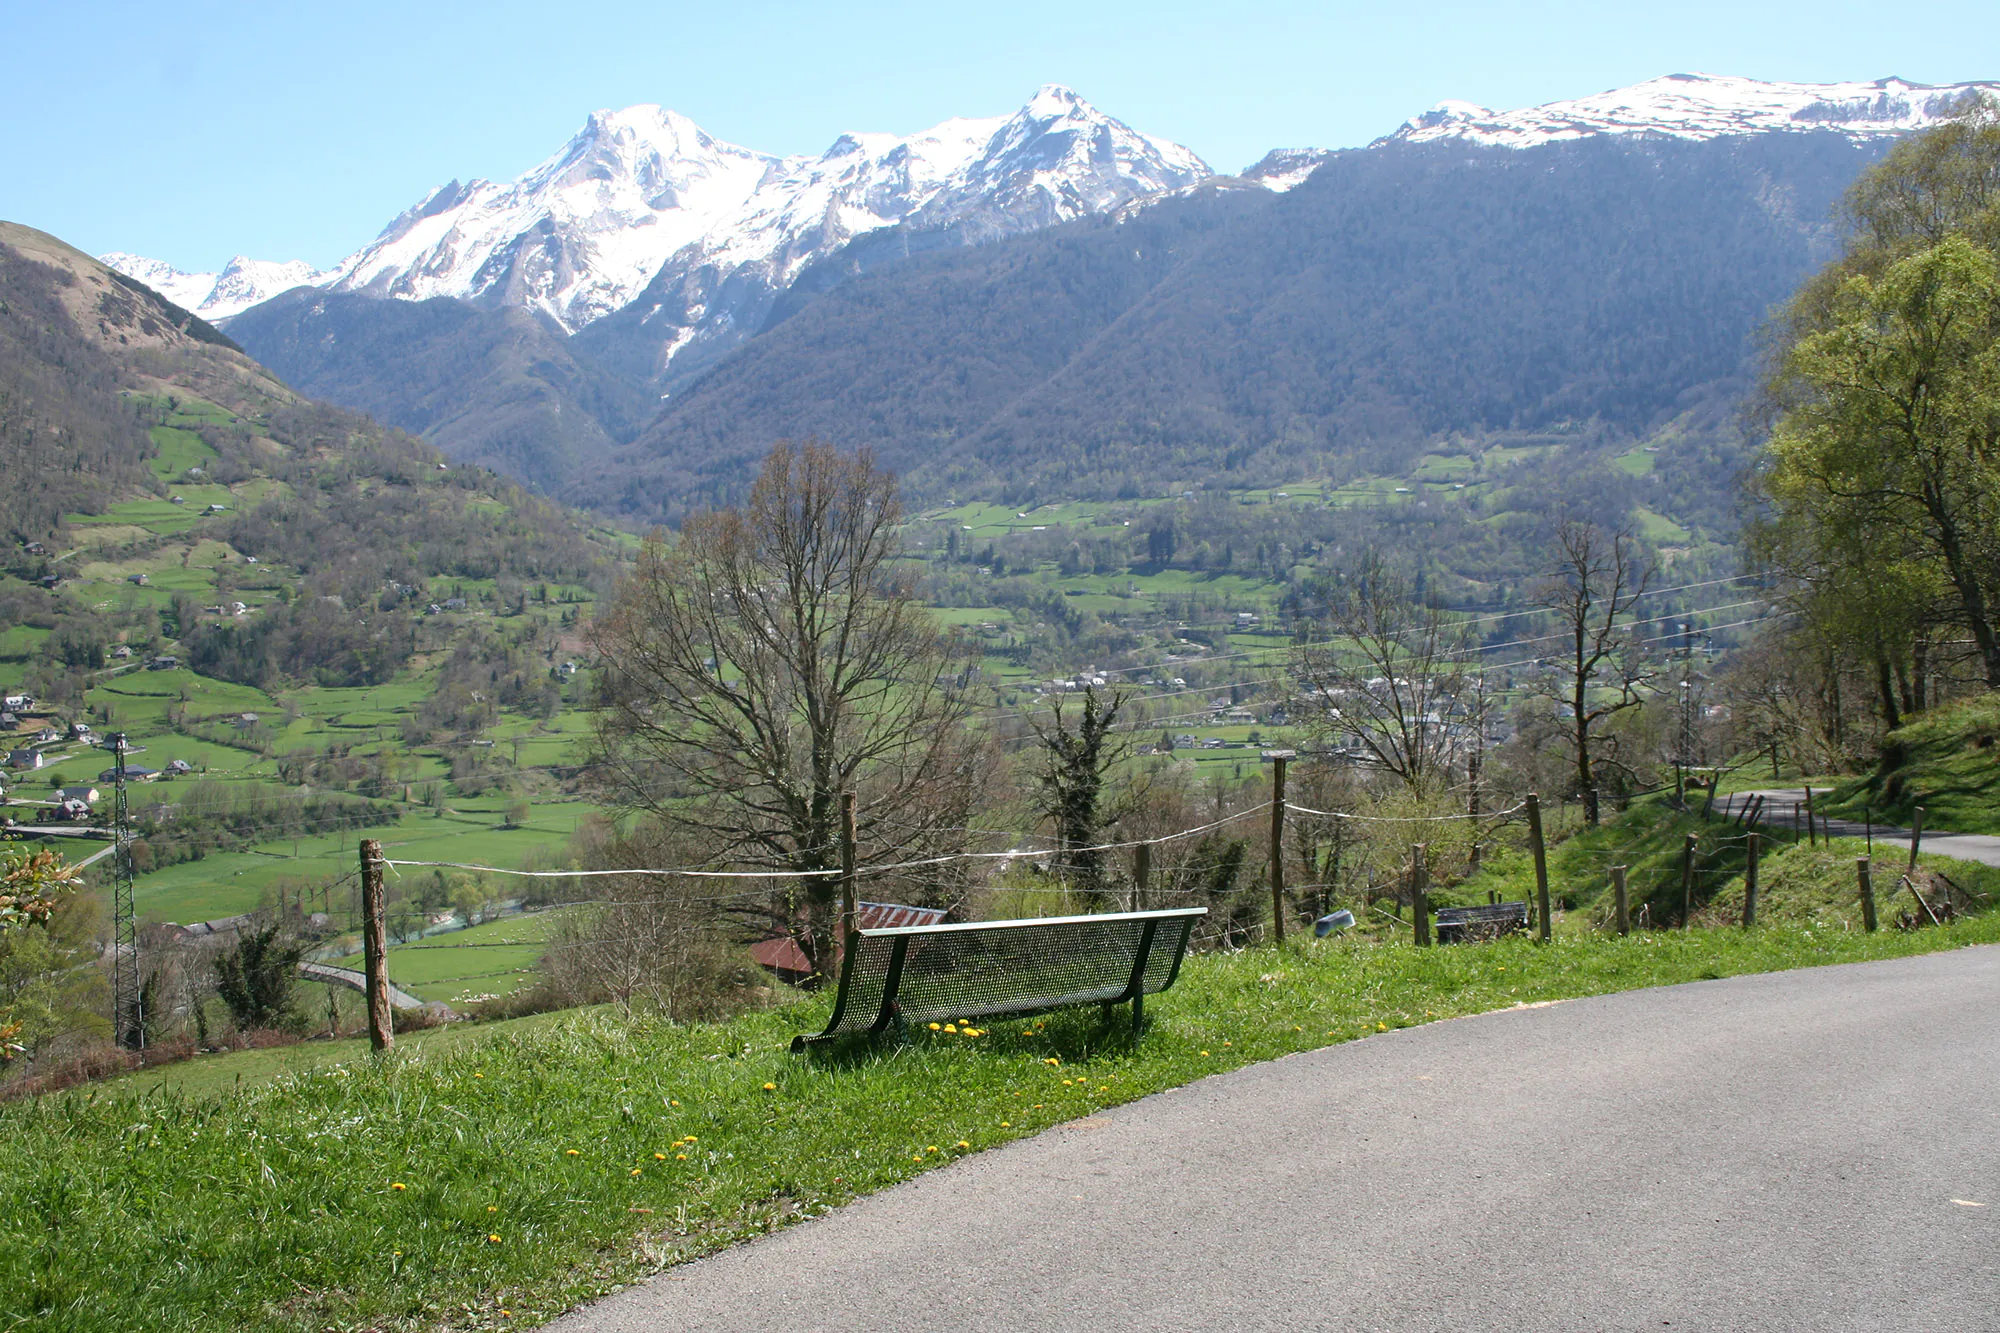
(984, 969)
(1458, 924)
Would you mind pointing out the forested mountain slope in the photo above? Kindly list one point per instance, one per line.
(1404, 294)
(500, 388)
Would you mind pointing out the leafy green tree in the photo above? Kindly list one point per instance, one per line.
(1881, 477)
(258, 979)
(1890, 459)
(1069, 787)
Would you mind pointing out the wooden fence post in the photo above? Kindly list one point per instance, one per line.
(1861, 872)
(1540, 850)
(1278, 851)
(374, 947)
(1142, 872)
(847, 893)
(1419, 897)
(1811, 839)
(1687, 881)
(1620, 901)
(1750, 849)
(1916, 838)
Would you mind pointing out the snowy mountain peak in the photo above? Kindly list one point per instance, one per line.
(242, 283)
(1701, 106)
(584, 232)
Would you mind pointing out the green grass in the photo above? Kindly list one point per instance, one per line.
(177, 450)
(1657, 527)
(1946, 760)
(542, 1166)
(20, 641)
(496, 958)
(233, 1071)
(227, 883)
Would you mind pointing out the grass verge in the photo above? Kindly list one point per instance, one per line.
(495, 1182)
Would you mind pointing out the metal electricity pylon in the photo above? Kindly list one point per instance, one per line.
(127, 1020)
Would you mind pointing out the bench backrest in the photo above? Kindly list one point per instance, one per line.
(1487, 914)
(933, 973)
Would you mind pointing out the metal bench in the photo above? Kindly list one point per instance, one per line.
(1455, 925)
(921, 974)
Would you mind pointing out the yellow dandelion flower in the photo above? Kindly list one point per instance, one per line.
(770, 1087)
(671, 1102)
(963, 1144)
(916, 1157)
(397, 1185)
(680, 1157)
(690, 1138)
(636, 1170)
(1204, 1052)
(492, 1238)
(492, 1207)
(1051, 1061)
(1066, 1083)
(1006, 1124)
(659, 1157)
(935, 1027)
(478, 1075)
(571, 1152)
(949, 1028)
(1228, 1043)
(1381, 1027)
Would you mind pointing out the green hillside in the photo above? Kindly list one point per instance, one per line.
(335, 632)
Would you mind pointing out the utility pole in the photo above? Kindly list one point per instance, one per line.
(128, 1022)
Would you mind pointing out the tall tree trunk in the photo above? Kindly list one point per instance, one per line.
(1891, 717)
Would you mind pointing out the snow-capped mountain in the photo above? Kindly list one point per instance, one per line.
(1055, 159)
(1282, 168)
(1701, 106)
(644, 194)
(242, 283)
(578, 235)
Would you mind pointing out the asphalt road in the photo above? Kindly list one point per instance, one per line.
(1811, 1150)
(1778, 803)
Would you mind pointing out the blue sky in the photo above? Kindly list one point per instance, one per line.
(194, 131)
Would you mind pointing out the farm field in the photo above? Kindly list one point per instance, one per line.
(463, 967)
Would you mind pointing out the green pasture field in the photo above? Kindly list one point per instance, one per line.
(1660, 529)
(462, 966)
(228, 883)
(178, 449)
(1637, 461)
(19, 642)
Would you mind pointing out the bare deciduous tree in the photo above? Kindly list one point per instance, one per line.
(1383, 679)
(771, 658)
(1601, 672)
